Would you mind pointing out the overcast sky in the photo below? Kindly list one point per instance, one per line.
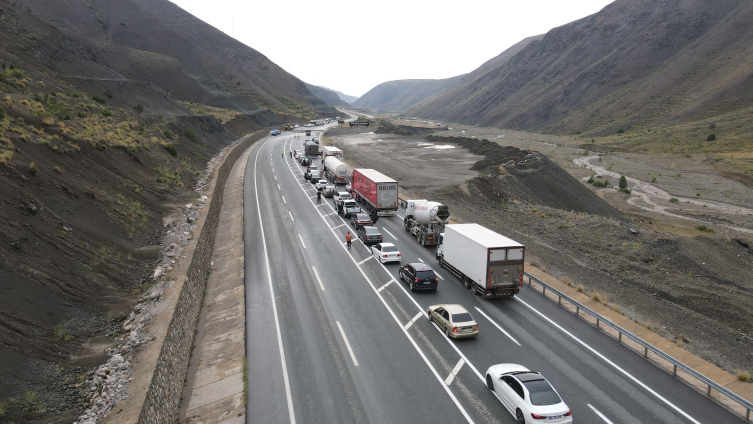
(353, 46)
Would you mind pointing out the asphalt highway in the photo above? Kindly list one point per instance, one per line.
(333, 336)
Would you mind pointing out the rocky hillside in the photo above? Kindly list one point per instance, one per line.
(330, 97)
(109, 113)
(396, 96)
(636, 63)
(346, 98)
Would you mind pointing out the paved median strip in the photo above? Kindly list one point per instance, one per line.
(385, 285)
(361, 263)
(454, 372)
(410, 323)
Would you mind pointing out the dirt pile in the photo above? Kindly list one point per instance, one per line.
(528, 177)
(386, 127)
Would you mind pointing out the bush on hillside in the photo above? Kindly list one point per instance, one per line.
(711, 137)
(138, 108)
(167, 134)
(106, 112)
(2, 113)
(170, 147)
(98, 99)
(623, 182)
(191, 135)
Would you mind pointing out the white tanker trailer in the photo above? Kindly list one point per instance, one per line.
(425, 220)
(335, 170)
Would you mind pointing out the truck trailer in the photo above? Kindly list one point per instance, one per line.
(487, 263)
(425, 220)
(335, 171)
(377, 191)
(311, 149)
(332, 151)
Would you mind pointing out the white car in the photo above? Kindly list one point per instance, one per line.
(527, 394)
(321, 184)
(341, 196)
(386, 252)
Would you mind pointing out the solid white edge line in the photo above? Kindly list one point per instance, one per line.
(498, 326)
(316, 274)
(291, 216)
(353, 356)
(462, 355)
(272, 292)
(405, 332)
(606, 420)
(302, 243)
(615, 366)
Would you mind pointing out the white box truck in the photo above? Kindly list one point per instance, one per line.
(487, 263)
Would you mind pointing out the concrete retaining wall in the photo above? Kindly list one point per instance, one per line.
(163, 396)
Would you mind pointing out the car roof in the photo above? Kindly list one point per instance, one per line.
(528, 376)
(369, 227)
(362, 214)
(387, 244)
(454, 309)
(420, 266)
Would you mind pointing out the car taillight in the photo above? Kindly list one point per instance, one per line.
(567, 414)
(384, 256)
(477, 328)
(537, 417)
(454, 329)
(436, 279)
(398, 255)
(416, 280)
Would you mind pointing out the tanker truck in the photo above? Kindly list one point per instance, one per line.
(425, 220)
(335, 170)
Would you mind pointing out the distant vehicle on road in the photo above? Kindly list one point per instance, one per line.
(527, 395)
(314, 176)
(419, 276)
(321, 184)
(487, 263)
(425, 220)
(454, 320)
(369, 234)
(386, 252)
(335, 170)
(378, 191)
(309, 168)
(340, 196)
(308, 132)
(330, 190)
(358, 220)
(275, 132)
(311, 148)
(332, 151)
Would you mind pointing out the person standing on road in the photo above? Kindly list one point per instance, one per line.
(319, 196)
(348, 239)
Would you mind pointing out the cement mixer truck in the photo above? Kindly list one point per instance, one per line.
(425, 220)
(335, 171)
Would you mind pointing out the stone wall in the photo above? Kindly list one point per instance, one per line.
(163, 396)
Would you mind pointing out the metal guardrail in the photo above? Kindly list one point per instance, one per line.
(710, 384)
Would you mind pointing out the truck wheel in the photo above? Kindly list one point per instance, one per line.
(441, 263)
(466, 282)
(423, 242)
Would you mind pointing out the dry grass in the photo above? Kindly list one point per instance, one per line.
(744, 376)
(580, 288)
(224, 115)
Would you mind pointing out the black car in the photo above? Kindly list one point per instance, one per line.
(369, 234)
(419, 276)
(360, 219)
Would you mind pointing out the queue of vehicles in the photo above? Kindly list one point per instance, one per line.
(487, 263)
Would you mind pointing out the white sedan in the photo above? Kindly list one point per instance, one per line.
(527, 394)
(386, 252)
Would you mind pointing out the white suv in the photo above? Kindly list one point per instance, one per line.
(339, 197)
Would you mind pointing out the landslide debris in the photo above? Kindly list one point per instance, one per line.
(527, 176)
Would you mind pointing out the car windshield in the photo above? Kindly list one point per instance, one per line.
(389, 249)
(542, 393)
(349, 204)
(464, 317)
(363, 217)
(372, 231)
(425, 274)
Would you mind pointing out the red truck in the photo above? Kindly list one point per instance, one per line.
(378, 191)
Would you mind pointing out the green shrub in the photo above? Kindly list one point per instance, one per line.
(698, 193)
(599, 184)
(705, 229)
(673, 200)
(623, 182)
(606, 183)
(625, 190)
(170, 147)
(712, 126)
(591, 179)
(138, 108)
(82, 114)
(17, 73)
(108, 94)
(620, 131)
(191, 135)
(167, 133)
(106, 112)
(61, 332)
(653, 179)
(98, 99)
(711, 137)
(33, 168)
(2, 113)
(12, 66)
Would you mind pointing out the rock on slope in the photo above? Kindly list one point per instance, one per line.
(635, 62)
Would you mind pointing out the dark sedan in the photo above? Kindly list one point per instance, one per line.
(360, 219)
(419, 276)
(369, 234)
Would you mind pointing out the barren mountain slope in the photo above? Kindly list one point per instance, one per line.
(156, 41)
(636, 62)
(329, 96)
(400, 95)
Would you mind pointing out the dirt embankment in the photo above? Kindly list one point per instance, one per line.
(386, 127)
(528, 177)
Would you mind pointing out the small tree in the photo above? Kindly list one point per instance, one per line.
(191, 135)
(623, 182)
(138, 108)
(170, 147)
(2, 113)
(711, 137)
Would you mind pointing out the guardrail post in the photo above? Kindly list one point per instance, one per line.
(559, 300)
(620, 336)
(645, 352)
(577, 310)
(708, 391)
(597, 323)
(747, 415)
(543, 290)
(674, 371)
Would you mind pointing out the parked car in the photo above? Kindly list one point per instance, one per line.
(309, 168)
(386, 252)
(369, 234)
(454, 320)
(419, 276)
(330, 190)
(321, 184)
(314, 177)
(527, 394)
(296, 154)
(341, 196)
(358, 220)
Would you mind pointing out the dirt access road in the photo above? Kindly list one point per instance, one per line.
(687, 285)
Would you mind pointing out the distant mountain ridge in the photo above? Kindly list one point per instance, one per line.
(346, 98)
(636, 62)
(400, 95)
